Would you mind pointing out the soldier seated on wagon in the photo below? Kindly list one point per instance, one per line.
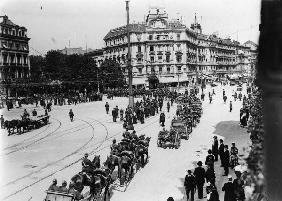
(53, 186)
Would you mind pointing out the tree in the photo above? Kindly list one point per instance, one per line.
(37, 66)
(111, 74)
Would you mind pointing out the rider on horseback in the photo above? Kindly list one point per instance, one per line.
(87, 165)
(114, 146)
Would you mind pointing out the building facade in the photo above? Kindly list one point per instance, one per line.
(172, 52)
(14, 51)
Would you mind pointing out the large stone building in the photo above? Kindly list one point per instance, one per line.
(173, 52)
(14, 51)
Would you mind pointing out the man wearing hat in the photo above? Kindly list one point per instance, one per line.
(200, 178)
(190, 185)
(228, 188)
(226, 160)
(221, 150)
(87, 165)
(53, 186)
(215, 148)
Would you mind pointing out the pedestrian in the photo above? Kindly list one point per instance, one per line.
(221, 150)
(170, 199)
(107, 106)
(215, 148)
(71, 115)
(203, 97)
(2, 122)
(210, 175)
(213, 93)
(168, 106)
(213, 195)
(200, 174)
(162, 119)
(238, 184)
(189, 184)
(228, 188)
(224, 98)
(225, 160)
(210, 159)
(210, 99)
(230, 106)
(114, 115)
(121, 112)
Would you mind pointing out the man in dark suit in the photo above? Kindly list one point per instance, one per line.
(228, 188)
(189, 184)
(200, 178)
(215, 148)
(225, 160)
(210, 159)
(221, 150)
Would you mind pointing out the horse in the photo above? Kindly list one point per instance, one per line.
(111, 162)
(140, 152)
(12, 125)
(126, 163)
(97, 181)
(96, 161)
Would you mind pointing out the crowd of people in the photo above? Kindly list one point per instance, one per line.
(233, 189)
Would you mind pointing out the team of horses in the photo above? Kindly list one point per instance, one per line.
(25, 124)
(130, 152)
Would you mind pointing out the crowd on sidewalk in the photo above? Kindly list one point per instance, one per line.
(196, 181)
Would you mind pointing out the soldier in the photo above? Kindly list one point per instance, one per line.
(114, 146)
(86, 164)
(215, 148)
(63, 188)
(70, 114)
(53, 186)
(34, 112)
(107, 106)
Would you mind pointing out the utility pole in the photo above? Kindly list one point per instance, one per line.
(129, 67)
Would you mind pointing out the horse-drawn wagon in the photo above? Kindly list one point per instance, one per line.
(58, 196)
(181, 128)
(169, 139)
(26, 124)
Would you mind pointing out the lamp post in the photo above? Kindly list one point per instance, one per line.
(129, 67)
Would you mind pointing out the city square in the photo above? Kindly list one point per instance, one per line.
(159, 107)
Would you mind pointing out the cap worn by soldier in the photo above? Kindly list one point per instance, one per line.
(86, 154)
(54, 181)
(200, 163)
(64, 183)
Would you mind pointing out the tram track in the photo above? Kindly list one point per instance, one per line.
(40, 140)
(76, 161)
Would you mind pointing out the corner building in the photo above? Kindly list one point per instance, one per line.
(170, 51)
(14, 51)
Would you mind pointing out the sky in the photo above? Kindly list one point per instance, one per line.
(56, 24)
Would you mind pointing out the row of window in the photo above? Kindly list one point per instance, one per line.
(14, 45)
(13, 32)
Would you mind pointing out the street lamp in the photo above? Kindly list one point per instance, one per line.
(131, 100)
